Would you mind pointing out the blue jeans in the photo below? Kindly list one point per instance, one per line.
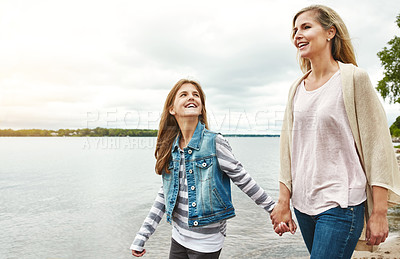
(333, 233)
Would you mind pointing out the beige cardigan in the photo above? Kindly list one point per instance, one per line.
(368, 124)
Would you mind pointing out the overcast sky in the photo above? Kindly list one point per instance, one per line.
(77, 64)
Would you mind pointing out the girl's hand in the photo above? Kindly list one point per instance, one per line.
(285, 227)
(281, 228)
(137, 253)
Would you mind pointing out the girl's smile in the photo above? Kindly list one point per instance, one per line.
(191, 105)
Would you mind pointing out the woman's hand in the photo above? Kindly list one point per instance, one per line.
(377, 226)
(377, 229)
(137, 253)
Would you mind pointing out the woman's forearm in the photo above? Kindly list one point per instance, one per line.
(380, 196)
(284, 195)
(377, 226)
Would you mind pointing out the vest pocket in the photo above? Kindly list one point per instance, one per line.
(204, 169)
(219, 199)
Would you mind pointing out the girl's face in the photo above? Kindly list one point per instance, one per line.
(310, 38)
(187, 102)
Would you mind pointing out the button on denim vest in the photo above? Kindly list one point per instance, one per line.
(209, 189)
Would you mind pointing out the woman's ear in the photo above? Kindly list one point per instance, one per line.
(171, 111)
(331, 32)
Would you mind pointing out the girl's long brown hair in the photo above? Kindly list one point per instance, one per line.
(342, 49)
(169, 128)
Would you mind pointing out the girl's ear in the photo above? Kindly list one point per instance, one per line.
(171, 111)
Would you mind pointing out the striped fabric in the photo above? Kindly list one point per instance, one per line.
(236, 173)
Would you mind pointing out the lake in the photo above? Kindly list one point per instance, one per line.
(87, 198)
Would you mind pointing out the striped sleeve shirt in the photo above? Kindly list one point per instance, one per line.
(235, 171)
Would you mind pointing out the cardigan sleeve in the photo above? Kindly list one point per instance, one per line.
(285, 175)
(377, 151)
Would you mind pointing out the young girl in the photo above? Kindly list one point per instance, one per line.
(196, 167)
(336, 150)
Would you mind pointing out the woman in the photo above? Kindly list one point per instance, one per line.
(336, 150)
(196, 167)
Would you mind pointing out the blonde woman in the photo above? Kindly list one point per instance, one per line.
(336, 150)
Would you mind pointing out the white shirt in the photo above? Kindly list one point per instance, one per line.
(326, 171)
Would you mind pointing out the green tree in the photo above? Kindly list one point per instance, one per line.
(389, 86)
(395, 128)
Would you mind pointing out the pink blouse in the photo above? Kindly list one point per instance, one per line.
(326, 170)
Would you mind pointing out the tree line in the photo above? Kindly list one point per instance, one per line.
(97, 132)
(389, 86)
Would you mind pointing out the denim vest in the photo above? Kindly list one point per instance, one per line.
(209, 189)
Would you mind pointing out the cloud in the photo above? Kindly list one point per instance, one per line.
(64, 59)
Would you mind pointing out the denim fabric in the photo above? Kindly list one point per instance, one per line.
(333, 233)
(209, 189)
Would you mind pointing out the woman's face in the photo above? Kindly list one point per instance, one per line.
(310, 38)
(187, 102)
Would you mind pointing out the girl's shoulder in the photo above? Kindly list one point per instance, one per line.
(219, 139)
(211, 133)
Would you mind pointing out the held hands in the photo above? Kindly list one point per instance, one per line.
(281, 218)
(137, 253)
(285, 227)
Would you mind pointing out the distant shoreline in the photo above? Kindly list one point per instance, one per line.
(85, 132)
(99, 132)
(74, 136)
(252, 135)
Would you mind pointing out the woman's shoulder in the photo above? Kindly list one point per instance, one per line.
(360, 73)
(294, 86)
(298, 80)
(357, 71)
(357, 81)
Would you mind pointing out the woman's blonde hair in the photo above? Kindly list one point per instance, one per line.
(169, 128)
(342, 49)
